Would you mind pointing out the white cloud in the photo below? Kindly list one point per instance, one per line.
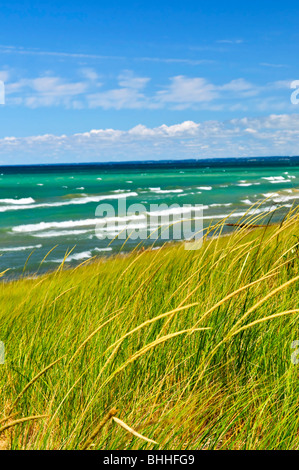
(90, 74)
(85, 56)
(117, 99)
(129, 94)
(64, 55)
(241, 87)
(128, 80)
(174, 60)
(230, 41)
(139, 92)
(271, 135)
(4, 75)
(45, 91)
(276, 66)
(187, 91)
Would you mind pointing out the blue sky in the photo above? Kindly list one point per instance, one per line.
(117, 80)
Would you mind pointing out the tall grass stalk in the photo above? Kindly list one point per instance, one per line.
(193, 348)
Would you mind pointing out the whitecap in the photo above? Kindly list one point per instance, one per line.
(60, 233)
(219, 205)
(268, 195)
(76, 201)
(273, 178)
(20, 248)
(280, 181)
(72, 223)
(166, 191)
(73, 257)
(22, 201)
(103, 249)
(176, 210)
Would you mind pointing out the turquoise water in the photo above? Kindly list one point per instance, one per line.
(42, 207)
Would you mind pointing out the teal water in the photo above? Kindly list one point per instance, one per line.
(45, 206)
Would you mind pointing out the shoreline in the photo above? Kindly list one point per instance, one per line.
(60, 208)
(126, 254)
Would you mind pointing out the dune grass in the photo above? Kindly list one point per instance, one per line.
(164, 349)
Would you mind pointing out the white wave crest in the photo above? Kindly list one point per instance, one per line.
(72, 223)
(76, 201)
(22, 201)
(20, 248)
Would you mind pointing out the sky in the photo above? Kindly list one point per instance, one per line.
(134, 80)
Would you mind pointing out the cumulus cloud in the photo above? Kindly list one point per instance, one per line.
(44, 91)
(131, 91)
(271, 135)
(186, 91)
(129, 94)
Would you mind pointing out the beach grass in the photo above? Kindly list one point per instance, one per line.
(160, 349)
